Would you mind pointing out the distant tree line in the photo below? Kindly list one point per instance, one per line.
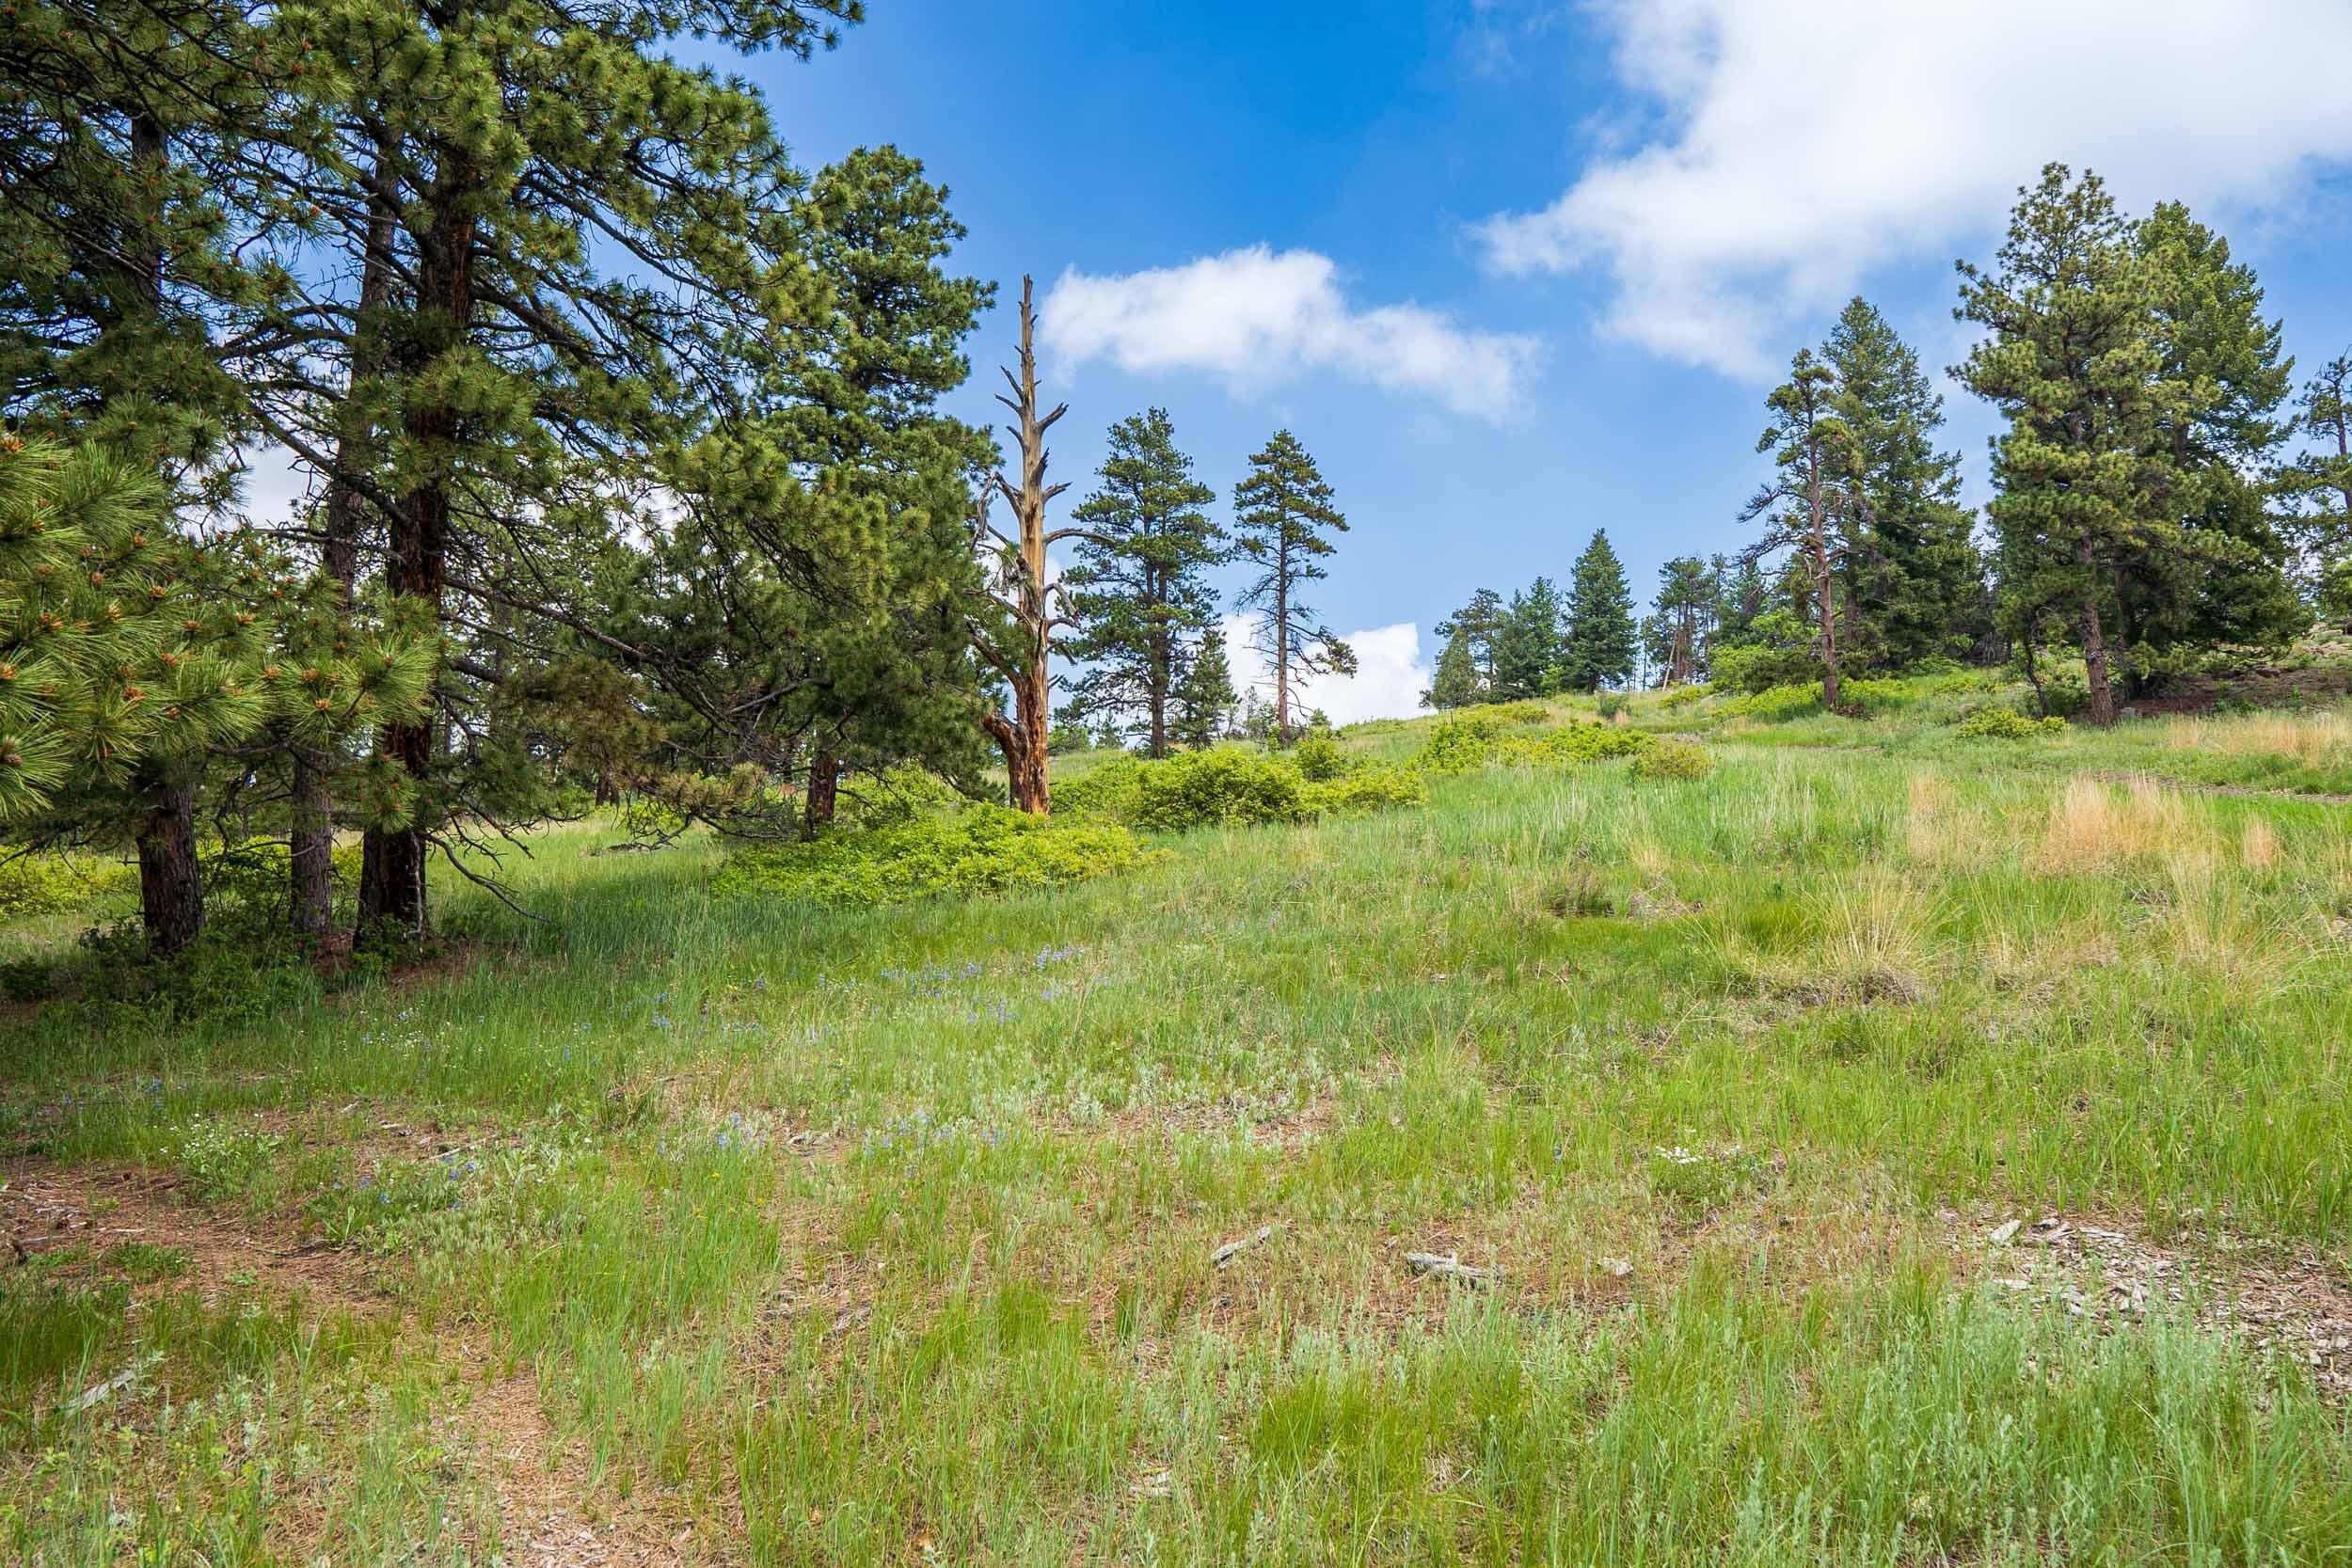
(1542, 642)
(2145, 510)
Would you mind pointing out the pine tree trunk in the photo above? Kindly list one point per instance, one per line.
(312, 857)
(2095, 665)
(172, 891)
(1026, 763)
(1281, 658)
(1025, 738)
(824, 791)
(1160, 661)
(1830, 691)
(391, 881)
(310, 891)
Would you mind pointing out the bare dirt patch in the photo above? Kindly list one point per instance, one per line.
(2290, 1302)
(96, 1209)
(552, 1513)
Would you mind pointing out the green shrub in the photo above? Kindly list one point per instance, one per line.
(1459, 744)
(1109, 790)
(1682, 696)
(896, 795)
(1515, 713)
(980, 849)
(1362, 790)
(1319, 759)
(223, 1158)
(1231, 787)
(1577, 743)
(1674, 759)
(1777, 704)
(1220, 787)
(1756, 667)
(1610, 703)
(1464, 741)
(35, 885)
(2007, 723)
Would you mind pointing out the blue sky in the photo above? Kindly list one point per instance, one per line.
(1516, 270)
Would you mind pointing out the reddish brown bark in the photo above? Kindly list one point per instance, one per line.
(392, 877)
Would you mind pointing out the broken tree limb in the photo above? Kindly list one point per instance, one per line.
(1450, 1266)
(1235, 1248)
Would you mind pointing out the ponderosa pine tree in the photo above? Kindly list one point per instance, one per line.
(1812, 504)
(1915, 589)
(1283, 514)
(1527, 647)
(143, 209)
(1204, 694)
(1455, 682)
(830, 508)
(2317, 488)
(1137, 587)
(1601, 640)
(2084, 474)
(2228, 579)
(1477, 623)
(1684, 613)
(524, 385)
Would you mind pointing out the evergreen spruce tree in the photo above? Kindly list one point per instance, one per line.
(1455, 682)
(2075, 361)
(1204, 694)
(1283, 514)
(1527, 648)
(1137, 587)
(1601, 641)
(1915, 587)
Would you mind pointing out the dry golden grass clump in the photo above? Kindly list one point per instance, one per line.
(2315, 739)
(2093, 823)
(1939, 830)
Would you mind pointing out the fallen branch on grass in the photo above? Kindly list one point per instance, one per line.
(1235, 1248)
(1448, 1267)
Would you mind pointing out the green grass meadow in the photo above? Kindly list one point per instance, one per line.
(792, 1235)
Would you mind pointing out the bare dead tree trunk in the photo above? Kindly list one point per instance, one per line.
(1022, 738)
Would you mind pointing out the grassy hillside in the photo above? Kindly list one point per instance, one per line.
(1894, 1146)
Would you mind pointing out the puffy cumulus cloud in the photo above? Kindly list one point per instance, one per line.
(1800, 143)
(1256, 316)
(1390, 676)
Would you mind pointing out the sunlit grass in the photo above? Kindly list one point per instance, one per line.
(884, 1235)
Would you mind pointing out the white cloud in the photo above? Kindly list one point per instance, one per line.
(1256, 316)
(1388, 680)
(1803, 142)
